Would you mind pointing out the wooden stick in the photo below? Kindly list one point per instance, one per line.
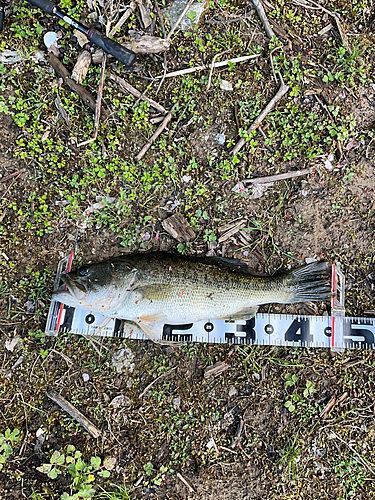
(156, 120)
(76, 414)
(279, 177)
(164, 56)
(180, 19)
(215, 369)
(262, 16)
(144, 45)
(10, 176)
(97, 105)
(282, 90)
(182, 479)
(84, 94)
(152, 139)
(331, 403)
(130, 9)
(126, 86)
(81, 67)
(217, 65)
(100, 95)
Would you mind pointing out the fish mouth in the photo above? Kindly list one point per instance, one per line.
(72, 293)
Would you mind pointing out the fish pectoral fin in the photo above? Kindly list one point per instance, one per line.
(245, 313)
(151, 324)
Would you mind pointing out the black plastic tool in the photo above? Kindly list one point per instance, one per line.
(1, 17)
(116, 50)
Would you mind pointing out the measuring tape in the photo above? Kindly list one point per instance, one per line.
(336, 332)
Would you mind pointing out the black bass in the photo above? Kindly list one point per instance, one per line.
(155, 288)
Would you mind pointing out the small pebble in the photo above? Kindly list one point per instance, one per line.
(220, 138)
(225, 85)
(85, 377)
(50, 38)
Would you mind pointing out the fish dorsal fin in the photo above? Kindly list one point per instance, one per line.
(231, 264)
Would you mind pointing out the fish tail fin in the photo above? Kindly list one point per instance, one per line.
(309, 283)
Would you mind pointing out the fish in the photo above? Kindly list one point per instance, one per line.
(150, 289)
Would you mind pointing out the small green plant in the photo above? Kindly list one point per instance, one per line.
(82, 473)
(192, 16)
(209, 235)
(148, 468)
(352, 476)
(122, 493)
(297, 403)
(310, 389)
(290, 380)
(7, 439)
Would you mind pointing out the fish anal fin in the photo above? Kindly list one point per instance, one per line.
(151, 324)
(153, 318)
(244, 313)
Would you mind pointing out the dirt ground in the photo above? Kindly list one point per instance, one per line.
(278, 423)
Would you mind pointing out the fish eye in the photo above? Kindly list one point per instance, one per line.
(82, 271)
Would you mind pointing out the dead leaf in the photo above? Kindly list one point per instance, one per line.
(11, 344)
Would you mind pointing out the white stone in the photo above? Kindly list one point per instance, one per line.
(225, 85)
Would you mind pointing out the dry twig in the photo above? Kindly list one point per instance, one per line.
(129, 10)
(156, 380)
(181, 478)
(262, 16)
(310, 4)
(98, 104)
(232, 231)
(333, 435)
(10, 176)
(279, 177)
(76, 414)
(282, 90)
(159, 130)
(329, 407)
(160, 17)
(217, 65)
(126, 86)
(84, 94)
(215, 369)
